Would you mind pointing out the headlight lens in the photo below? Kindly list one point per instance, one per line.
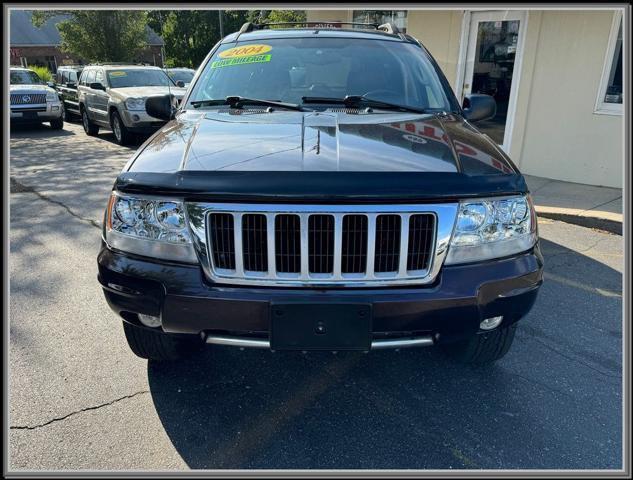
(151, 227)
(135, 104)
(51, 97)
(492, 228)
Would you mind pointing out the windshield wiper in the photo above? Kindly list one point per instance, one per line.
(238, 102)
(357, 100)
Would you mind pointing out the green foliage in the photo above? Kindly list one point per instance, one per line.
(99, 35)
(276, 16)
(43, 72)
(189, 35)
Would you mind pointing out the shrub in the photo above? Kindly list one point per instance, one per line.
(42, 72)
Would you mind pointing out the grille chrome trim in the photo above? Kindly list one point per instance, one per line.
(444, 219)
(28, 98)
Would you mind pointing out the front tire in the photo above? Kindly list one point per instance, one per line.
(121, 134)
(57, 124)
(90, 128)
(157, 345)
(68, 116)
(483, 348)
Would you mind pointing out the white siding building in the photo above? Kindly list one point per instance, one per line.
(556, 75)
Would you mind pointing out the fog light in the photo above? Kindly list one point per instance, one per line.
(490, 323)
(54, 109)
(149, 321)
(136, 118)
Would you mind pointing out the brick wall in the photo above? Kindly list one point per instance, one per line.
(52, 56)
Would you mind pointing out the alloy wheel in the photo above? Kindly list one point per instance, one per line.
(116, 128)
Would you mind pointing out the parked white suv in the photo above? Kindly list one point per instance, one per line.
(32, 101)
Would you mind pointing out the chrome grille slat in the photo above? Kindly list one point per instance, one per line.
(270, 244)
(239, 250)
(327, 245)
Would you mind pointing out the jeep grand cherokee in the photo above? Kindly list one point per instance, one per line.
(320, 189)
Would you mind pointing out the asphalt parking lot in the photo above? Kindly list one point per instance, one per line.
(79, 399)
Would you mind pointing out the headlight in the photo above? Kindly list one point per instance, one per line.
(135, 104)
(152, 227)
(492, 228)
(51, 97)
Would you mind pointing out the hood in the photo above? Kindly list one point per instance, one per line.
(324, 156)
(30, 89)
(236, 140)
(140, 92)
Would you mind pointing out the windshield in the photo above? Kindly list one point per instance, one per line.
(292, 68)
(25, 77)
(138, 78)
(184, 75)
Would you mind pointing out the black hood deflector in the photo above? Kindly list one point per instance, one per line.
(320, 187)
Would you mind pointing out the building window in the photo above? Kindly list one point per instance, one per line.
(396, 17)
(610, 93)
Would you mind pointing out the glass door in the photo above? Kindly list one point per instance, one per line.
(492, 57)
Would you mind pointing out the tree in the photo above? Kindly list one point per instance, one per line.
(276, 16)
(99, 35)
(189, 35)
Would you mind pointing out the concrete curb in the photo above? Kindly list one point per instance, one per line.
(608, 222)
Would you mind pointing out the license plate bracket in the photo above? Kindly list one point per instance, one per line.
(320, 326)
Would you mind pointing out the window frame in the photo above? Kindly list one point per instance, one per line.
(90, 72)
(602, 107)
(406, 15)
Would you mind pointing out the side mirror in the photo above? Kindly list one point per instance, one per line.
(159, 106)
(180, 84)
(479, 107)
(97, 86)
(51, 84)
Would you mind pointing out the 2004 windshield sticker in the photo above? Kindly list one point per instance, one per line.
(243, 55)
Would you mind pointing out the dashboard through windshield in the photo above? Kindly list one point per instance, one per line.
(290, 69)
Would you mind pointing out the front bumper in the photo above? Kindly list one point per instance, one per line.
(448, 310)
(44, 112)
(138, 121)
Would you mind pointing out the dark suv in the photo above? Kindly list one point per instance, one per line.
(320, 189)
(66, 85)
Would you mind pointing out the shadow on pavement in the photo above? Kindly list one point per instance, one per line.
(37, 129)
(553, 402)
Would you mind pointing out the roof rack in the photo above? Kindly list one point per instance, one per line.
(323, 24)
(119, 64)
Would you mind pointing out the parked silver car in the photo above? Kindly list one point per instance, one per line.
(184, 75)
(33, 101)
(113, 96)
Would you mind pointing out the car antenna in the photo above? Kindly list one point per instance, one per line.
(162, 57)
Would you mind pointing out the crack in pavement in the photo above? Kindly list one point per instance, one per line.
(86, 409)
(17, 187)
(600, 205)
(549, 347)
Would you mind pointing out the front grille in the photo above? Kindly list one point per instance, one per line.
(306, 245)
(354, 246)
(28, 98)
(222, 238)
(321, 243)
(254, 243)
(387, 243)
(287, 244)
(421, 229)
